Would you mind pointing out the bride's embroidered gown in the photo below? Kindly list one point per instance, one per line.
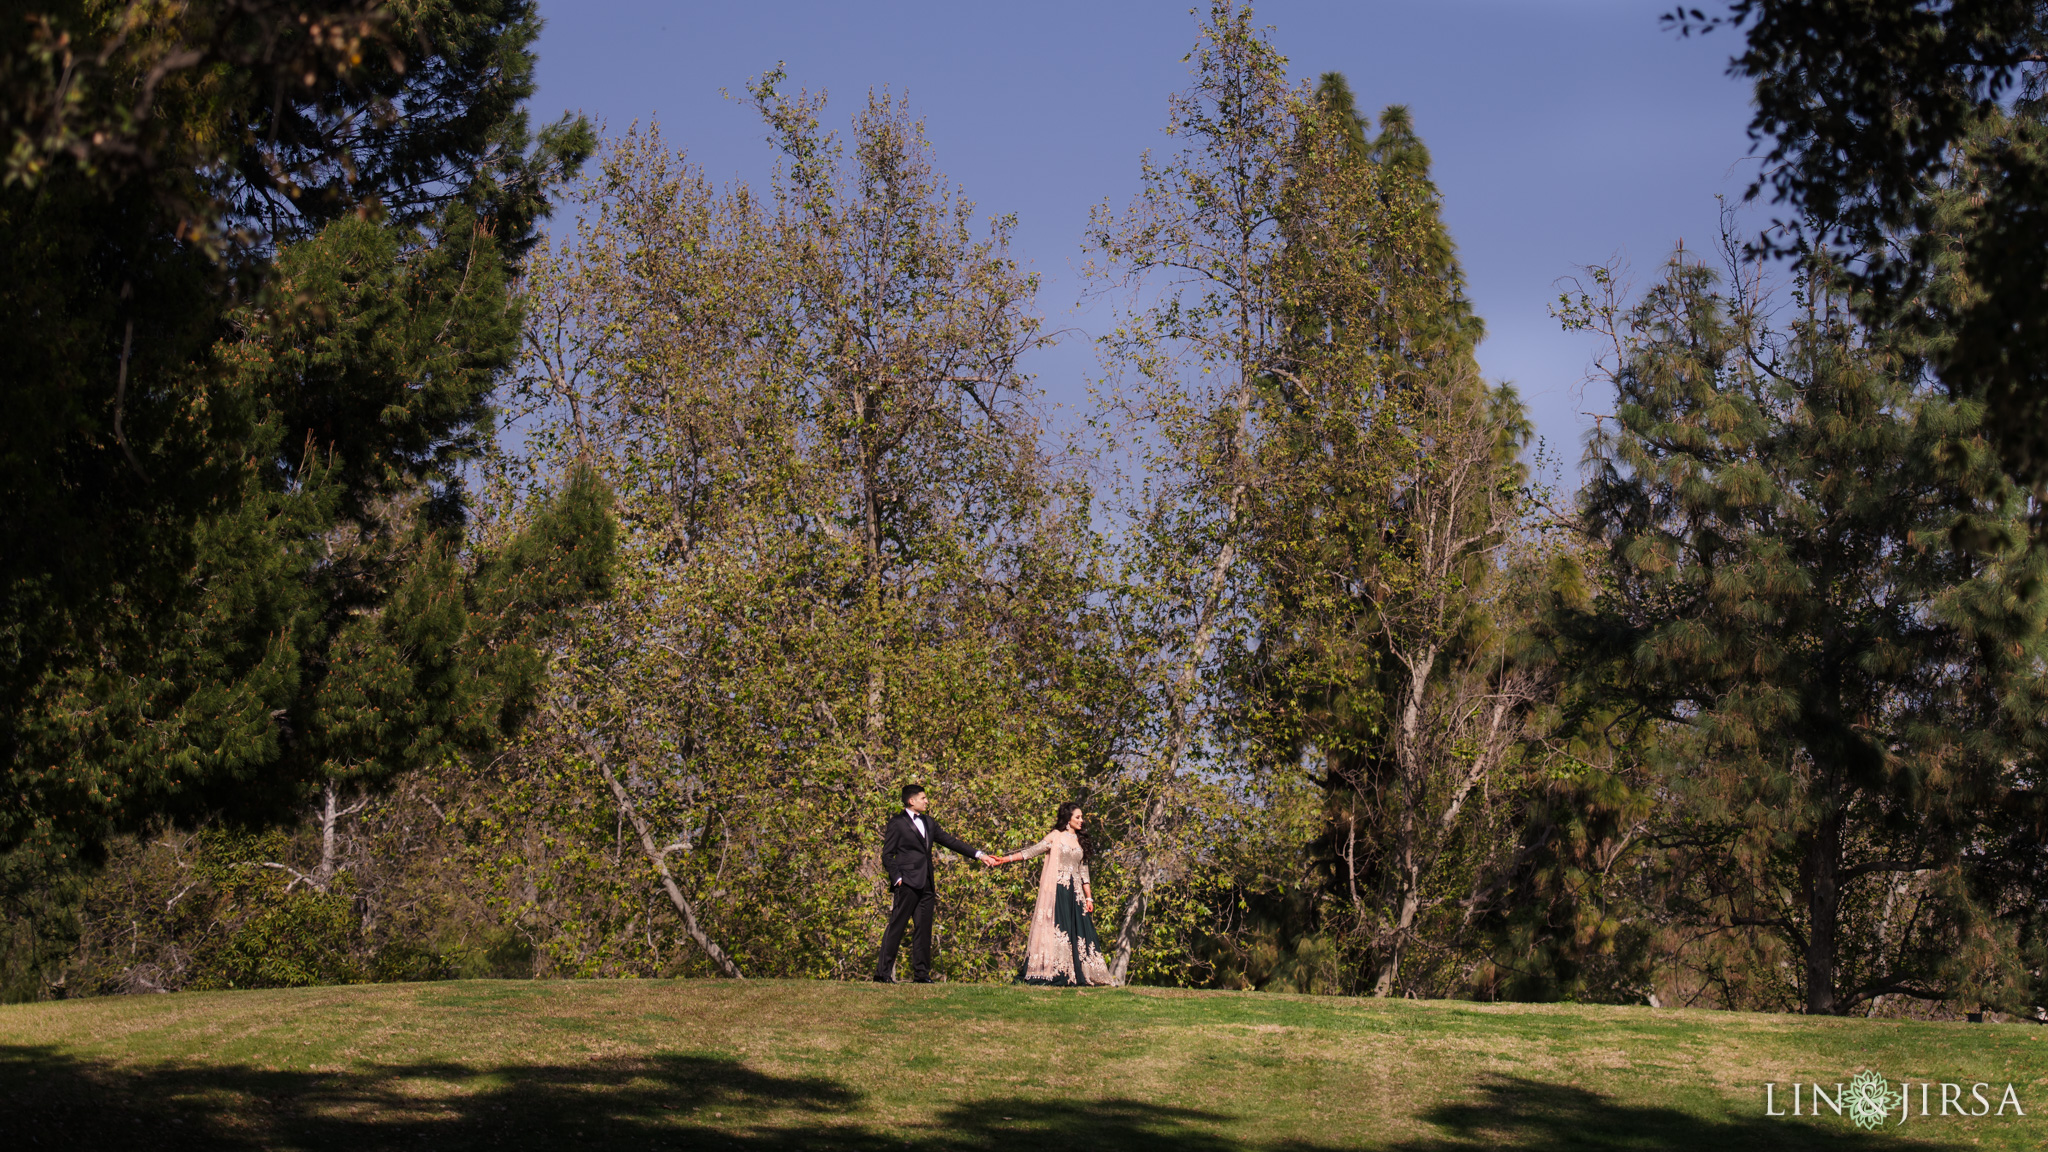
(1063, 949)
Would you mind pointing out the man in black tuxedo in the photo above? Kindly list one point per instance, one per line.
(907, 841)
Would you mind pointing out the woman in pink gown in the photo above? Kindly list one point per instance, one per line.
(1063, 949)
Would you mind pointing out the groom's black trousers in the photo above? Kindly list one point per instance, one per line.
(911, 904)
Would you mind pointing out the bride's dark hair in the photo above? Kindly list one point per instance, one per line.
(1059, 824)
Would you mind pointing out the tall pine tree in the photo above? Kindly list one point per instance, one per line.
(1817, 592)
(254, 293)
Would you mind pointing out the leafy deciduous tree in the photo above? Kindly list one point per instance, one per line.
(849, 563)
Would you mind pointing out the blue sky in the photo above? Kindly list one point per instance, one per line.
(1565, 132)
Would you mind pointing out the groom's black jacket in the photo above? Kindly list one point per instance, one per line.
(907, 857)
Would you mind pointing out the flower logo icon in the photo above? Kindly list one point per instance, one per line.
(1870, 1097)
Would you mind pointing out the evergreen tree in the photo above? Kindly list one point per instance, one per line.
(1846, 700)
(254, 292)
(1384, 645)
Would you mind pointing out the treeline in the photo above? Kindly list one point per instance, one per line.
(1357, 703)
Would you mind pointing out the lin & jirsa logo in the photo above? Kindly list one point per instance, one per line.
(1868, 1099)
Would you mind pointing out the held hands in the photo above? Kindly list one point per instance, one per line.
(992, 861)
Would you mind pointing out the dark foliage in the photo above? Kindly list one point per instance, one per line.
(1845, 702)
(254, 269)
(1871, 105)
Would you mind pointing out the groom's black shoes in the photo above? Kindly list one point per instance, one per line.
(885, 979)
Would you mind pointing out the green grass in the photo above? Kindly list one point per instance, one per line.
(775, 1065)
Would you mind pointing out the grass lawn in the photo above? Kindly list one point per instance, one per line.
(775, 1065)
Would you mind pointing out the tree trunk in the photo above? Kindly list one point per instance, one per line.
(330, 814)
(1147, 870)
(1407, 901)
(659, 858)
(1147, 875)
(323, 872)
(1823, 909)
(1408, 762)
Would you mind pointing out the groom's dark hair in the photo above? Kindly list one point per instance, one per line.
(910, 790)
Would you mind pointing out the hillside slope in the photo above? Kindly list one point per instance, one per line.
(775, 1065)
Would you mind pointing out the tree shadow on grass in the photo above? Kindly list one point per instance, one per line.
(1035, 1124)
(1534, 1116)
(49, 1100)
